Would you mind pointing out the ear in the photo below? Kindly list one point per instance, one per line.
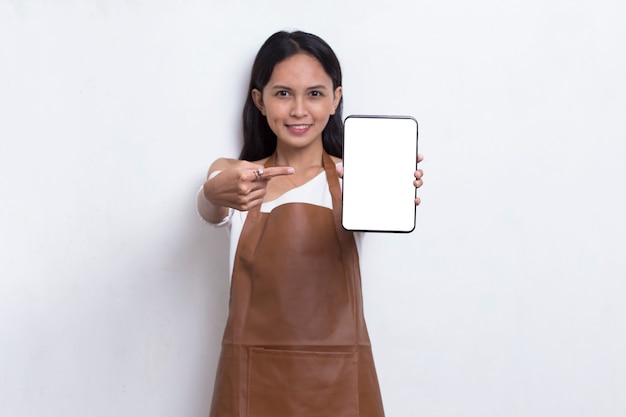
(257, 98)
(336, 99)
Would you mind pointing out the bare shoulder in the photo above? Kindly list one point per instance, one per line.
(261, 161)
(336, 160)
(221, 164)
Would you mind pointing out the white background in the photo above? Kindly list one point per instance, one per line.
(508, 299)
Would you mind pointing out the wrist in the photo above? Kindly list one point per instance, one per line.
(205, 187)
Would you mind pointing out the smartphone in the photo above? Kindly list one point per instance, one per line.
(379, 161)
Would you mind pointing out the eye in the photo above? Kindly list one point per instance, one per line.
(316, 93)
(282, 93)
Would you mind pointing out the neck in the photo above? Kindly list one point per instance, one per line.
(300, 158)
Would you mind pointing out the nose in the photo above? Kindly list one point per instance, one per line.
(298, 108)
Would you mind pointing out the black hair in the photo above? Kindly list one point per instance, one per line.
(258, 139)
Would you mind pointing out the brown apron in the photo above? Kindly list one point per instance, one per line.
(295, 343)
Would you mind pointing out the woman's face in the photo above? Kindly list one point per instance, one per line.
(298, 100)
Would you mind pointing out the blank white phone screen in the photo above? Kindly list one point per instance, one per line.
(379, 159)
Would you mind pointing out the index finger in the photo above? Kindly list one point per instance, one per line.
(271, 172)
(420, 158)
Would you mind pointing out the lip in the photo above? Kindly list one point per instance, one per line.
(299, 128)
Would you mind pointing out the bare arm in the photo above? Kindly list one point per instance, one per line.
(236, 185)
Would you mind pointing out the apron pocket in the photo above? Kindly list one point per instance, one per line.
(285, 383)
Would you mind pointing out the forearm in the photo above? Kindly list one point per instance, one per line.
(208, 211)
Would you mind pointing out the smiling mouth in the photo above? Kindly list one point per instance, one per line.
(298, 128)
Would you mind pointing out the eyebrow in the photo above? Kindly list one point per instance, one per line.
(284, 87)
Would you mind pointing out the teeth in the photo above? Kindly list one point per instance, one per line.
(299, 126)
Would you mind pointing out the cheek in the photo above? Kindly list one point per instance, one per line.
(275, 116)
(275, 111)
(323, 109)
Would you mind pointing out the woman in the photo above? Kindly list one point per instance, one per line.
(295, 342)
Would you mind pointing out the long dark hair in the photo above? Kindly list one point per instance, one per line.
(258, 139)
